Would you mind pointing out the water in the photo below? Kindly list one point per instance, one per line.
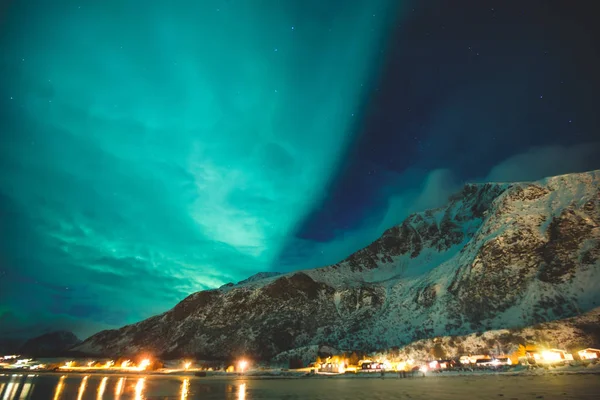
(113, 387)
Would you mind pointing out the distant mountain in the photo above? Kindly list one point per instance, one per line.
(497, 256)
(50, 344)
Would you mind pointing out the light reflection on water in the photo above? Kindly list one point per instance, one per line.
(82, 387)
(98, 387)
(16, 386)
(185, 386)
(139, 389)
(242, 392)
(59, 388)
(95, 386)
(101, 388)
(119, 388)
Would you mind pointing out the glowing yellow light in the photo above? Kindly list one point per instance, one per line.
(26, 388)
(119, 388)
(144, 364)
(139, 389)
(59, 388)
(82, 387)
(187, 365)
(242, 365)
(89, 364)
(109, 364)
(551, 356)
(185, 387)
(587, 355)
(125, 363)
(242, 392)
(11, 390)
(101, 388)
(69, 364)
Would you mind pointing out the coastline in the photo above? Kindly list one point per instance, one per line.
(293, 375)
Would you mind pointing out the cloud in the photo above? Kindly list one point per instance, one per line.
(403, 194)
(417, 190)
(543, 161)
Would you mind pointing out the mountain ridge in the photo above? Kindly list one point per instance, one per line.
(49, 344)
(498, 255)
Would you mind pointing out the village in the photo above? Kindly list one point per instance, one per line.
(530, 357)
(526, 357)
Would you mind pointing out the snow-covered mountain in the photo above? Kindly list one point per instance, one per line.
(496, 256)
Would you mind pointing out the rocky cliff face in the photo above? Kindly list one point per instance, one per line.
(497, 256)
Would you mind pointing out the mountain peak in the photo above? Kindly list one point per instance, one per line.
(496, 256)
(259, 277)
(50, 344)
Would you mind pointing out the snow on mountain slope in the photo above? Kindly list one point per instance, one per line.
(497, 256)
(572, 334)
(259, 277)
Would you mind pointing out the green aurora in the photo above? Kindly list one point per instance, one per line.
(153, 149)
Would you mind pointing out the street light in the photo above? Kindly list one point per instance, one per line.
(242, 365)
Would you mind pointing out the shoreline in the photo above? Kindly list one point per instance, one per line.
(293, 375)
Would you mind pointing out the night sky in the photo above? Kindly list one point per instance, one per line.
(151, 151)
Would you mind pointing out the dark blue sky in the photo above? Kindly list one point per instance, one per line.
(147, 153)
(466, 87)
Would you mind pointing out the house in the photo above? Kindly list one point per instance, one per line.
(562, 354)
(589, 354)
(551, 356)
(335, 368)
(371, 367)
(473, 358)
(441, 364)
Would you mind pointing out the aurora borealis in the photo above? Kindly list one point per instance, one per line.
(151, 151)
